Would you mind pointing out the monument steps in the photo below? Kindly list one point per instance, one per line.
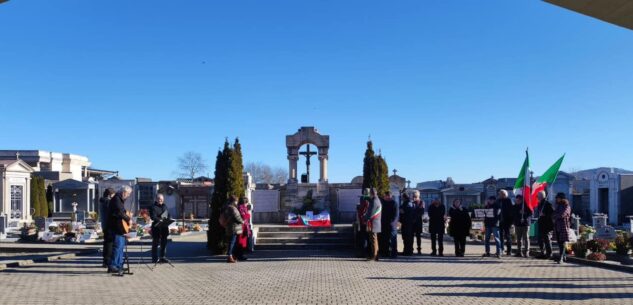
(283, 237)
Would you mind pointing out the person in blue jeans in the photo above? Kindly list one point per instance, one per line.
(118, 214)
(491, 222)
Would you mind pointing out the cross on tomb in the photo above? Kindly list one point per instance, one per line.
(307, 153)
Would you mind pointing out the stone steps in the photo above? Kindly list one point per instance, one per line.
(283, 237)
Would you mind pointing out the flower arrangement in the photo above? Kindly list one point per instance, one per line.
(143, 213)
(587, 231)
(596, 256)
(598, 245)
(580, 248)
(197, 227)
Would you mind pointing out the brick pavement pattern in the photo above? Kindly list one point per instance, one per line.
(315, 277)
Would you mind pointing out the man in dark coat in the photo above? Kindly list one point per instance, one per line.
(407, 220)
(159, 213)
(118, 214)
(389, 230)
(507, 220)
(544, 213)
(437, 220)
(373, 224)
(418, 223)
(104, 218)
(522, 222)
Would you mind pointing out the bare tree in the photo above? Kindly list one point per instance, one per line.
(280, 175)
(263, 173)
(191, 164)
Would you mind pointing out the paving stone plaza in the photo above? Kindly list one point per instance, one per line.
(315, 277)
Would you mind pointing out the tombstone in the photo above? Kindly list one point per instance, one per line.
(606, 232)
(630, 223)
(599, 220)
(40, 223)
(90, 224)
(81, 216)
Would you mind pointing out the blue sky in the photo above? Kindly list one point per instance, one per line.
(445, 88)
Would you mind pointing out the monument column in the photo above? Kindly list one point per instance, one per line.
(292, 168)
(323, 168)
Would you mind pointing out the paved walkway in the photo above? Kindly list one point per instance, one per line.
(315, 277)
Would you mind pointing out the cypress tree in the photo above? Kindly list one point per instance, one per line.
(228, 181)
(35, 202)
(215, 235)
(42, 197)
(236, 178)
(382, 171)
(369, 178)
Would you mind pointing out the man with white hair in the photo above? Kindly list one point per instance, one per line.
(159, 213)
(118, 215)
(544, 213)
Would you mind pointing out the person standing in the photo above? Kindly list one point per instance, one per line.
(507, 220)
(562, 223)
(118, 215)
(389, 230)
(491, 224)
(545, 223)
(104, 218)
(373, 224)
(437, 226)
(362, 238)
(251, 239)
(417, 224)
(157, 213)
(407, 219)
(522, 222)
(233, 228)
(459, 226)
(242, 239)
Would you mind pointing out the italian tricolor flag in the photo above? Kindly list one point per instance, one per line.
(523, 181)
(545, 180)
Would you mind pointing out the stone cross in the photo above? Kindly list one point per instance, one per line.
(308, 154)
(395, 171)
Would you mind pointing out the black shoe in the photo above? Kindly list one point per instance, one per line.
(242, 258)
(498, 255)
(518, 255)
(441, 254)
(419, 251)
(118, 273)
(433, 254)
(164, 260)
(112, 270)
(486, 255)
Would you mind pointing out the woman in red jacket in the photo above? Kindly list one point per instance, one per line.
(242, 239)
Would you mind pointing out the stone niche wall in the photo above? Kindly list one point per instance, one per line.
(339, 199)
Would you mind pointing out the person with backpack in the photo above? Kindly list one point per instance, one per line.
(232, 222)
